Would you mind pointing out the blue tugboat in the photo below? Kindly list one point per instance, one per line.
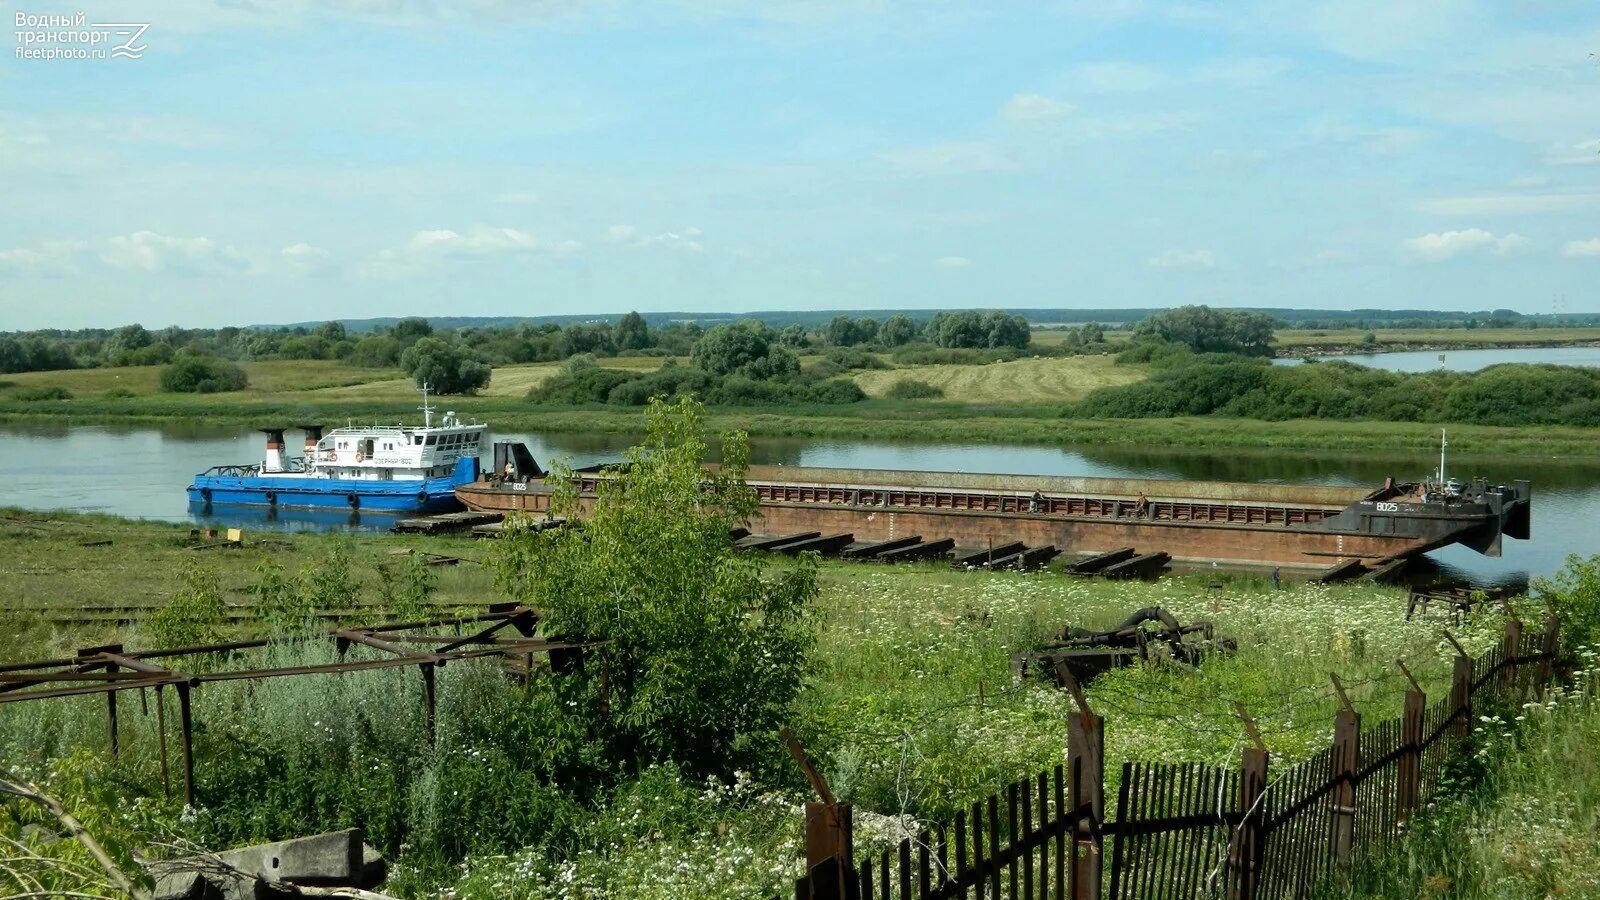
(388, 468)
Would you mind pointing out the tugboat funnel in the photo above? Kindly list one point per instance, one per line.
(313, 436)
(274, 460)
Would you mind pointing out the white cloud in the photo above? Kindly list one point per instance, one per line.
(628, 236)
(1324, 259)
(479, 241)
(951, 158)
(1442, 245)
(1184, 259)
(303, 258)
(46, 259)
(1033, 108)
(952, 262)
(428, 248)
(1528, 201)
(148, 251)
(1368, 139)
(1583, 154)
(1585, 249)
(1116, 78)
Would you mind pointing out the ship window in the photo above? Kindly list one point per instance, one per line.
(431, 439)
(418, 440)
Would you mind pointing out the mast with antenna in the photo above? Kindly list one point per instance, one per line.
(1444, 441)
(427, 411)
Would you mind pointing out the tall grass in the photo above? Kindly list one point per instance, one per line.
(1526, 824)
(910, 709)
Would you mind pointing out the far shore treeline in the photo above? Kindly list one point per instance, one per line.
(1182, 362)
(507, 341)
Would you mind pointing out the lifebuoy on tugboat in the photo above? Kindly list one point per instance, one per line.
(422, 498)
(359, 456)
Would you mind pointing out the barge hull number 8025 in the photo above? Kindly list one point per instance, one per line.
(1237, 524)
(392, 468)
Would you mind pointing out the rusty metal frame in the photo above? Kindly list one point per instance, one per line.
(110, 669)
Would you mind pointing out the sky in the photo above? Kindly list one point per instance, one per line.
(267, 161)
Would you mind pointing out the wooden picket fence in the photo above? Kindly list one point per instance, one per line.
(1185, 830)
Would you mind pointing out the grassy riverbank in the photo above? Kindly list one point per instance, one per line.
(1353, 340)
(872, 420)
(908, 707)
(1528, 822)
(1009, 402)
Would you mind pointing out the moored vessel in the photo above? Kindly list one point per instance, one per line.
(1303, 527)
(392, 468)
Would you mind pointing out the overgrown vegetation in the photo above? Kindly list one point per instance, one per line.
(743, 364)
(1521, 818)
(1190, 384)
(912, 389)
(703, 647)
(195, 374)
(907, 703)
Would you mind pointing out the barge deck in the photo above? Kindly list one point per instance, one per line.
(1303, 527)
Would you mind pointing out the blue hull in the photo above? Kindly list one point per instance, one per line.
(429, 496)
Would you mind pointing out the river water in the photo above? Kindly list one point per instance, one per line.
(1465, 360)
(141, 472)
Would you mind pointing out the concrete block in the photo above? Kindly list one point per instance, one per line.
(334, 858)
(374, 868)
(184, 884)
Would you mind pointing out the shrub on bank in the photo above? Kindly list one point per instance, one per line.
(621, 387)
(913, 389)
(42, 392)
(1189, 384)
(202, 375)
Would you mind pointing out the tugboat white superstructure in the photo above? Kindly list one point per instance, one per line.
(392, 468)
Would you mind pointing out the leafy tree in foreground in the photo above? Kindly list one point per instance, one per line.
(448, 367)
(705, 649)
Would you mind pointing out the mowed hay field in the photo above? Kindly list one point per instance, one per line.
(266, 377)
(312, 378)
(1050, 380)
(506, 381)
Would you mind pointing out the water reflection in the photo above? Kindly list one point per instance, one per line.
(1464, 360)
(140, 471)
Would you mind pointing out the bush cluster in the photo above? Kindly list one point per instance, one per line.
(1189, 384)
(190, 374)
(623, 387)
(913, 389)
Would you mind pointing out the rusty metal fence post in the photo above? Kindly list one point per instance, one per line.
(186, 729)
(1408, 787)
(1549, 646)
(1245, 850)
(1461, 695)
(1513, 646)
(1346, 762)
(830, 839)
(1086, 752)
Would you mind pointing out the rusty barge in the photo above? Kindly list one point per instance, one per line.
(1234, 524)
